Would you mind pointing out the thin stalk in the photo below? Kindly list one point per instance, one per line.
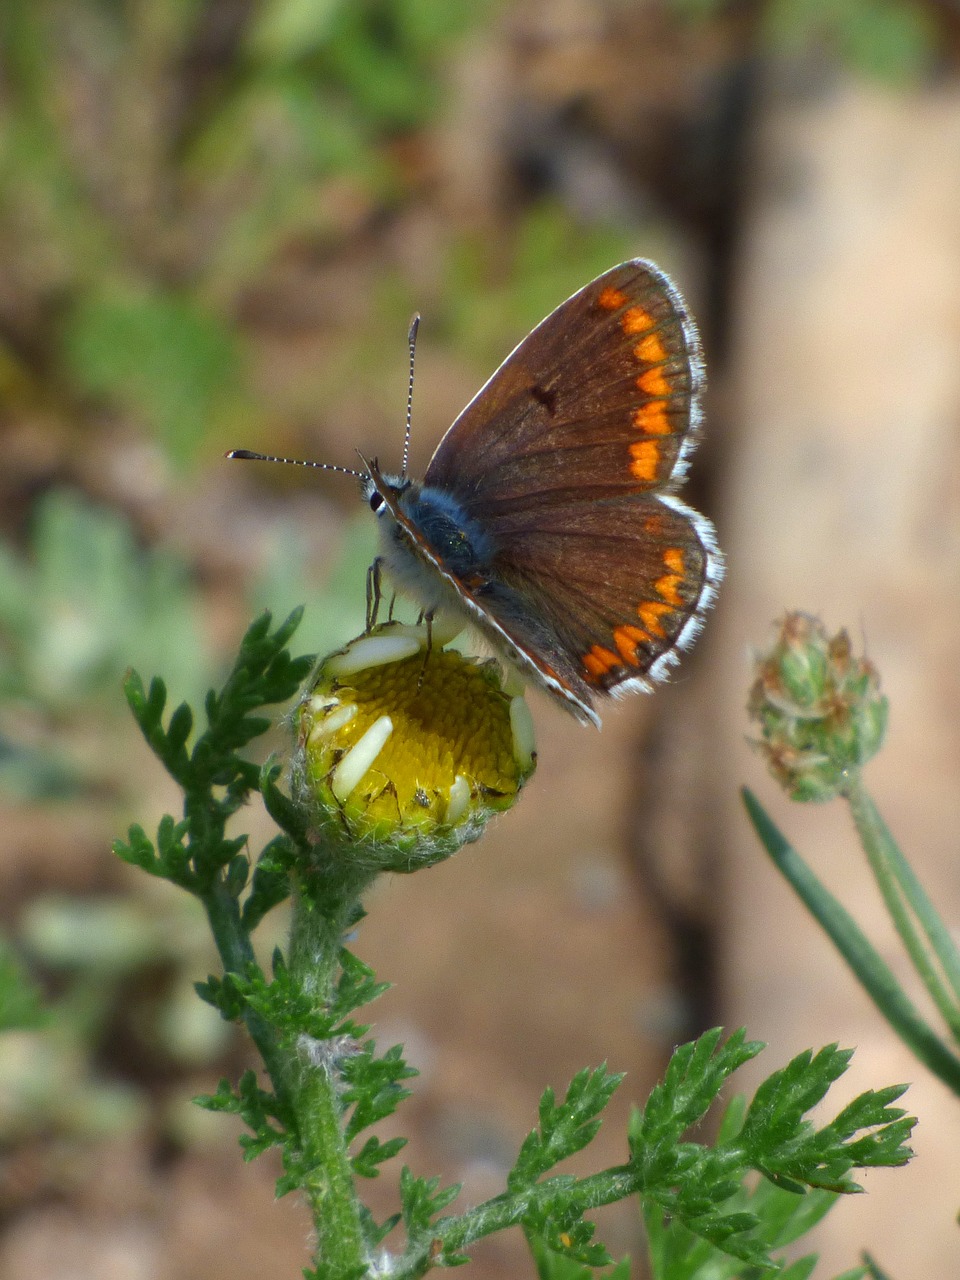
(236, 952)
(903, 893)
(859, 953)
(508, 1210)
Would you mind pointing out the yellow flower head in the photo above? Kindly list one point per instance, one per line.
(405, 749)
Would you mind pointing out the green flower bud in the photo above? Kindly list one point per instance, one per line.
(406, 749)
(820, 710)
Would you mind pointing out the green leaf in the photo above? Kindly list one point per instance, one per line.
(258, 1108)
(422, 1202)
(695, 1075)
(565, 1128)
(356, 987)
(271, 881)
(700, 1190)
(373, 1153)
(289, 817)
(174, 856)
(139, 852)
(552, 1265)
(227, 995)
(179, 728)
(373, 1087)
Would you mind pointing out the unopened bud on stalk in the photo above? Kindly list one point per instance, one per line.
(819, 708)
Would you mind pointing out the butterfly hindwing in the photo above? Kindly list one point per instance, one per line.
(621, 585)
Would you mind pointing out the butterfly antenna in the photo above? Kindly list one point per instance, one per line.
(250, 456)
(412, 343)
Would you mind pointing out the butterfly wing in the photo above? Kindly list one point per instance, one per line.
(601, 399)
(567, 458)
(600, 597)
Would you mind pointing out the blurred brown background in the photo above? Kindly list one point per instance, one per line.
(216, 218)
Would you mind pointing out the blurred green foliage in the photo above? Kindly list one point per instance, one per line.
(894, 41)
(157, 156)
(891, 40)
(488, 307)
(156, 354)
(20, 1005)
(85, 603)
(120, 974)
(335, 610)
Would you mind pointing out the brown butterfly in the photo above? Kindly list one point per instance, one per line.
(547, 516)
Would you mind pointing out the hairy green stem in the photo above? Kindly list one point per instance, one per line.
(329, 1184)
(324, 906)
(607, 1187)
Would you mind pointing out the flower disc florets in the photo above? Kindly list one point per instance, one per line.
(819, 708)
(405, 749)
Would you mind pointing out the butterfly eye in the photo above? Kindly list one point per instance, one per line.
(376, 501)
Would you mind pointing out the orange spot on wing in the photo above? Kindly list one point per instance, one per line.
(653, 382)
(610, 299)
(626, 639)
(666, 588)
(650, 349)
(599, 661)
(636, 320)
(646, 460)
(652, 419)
(653, 524)
(650, 612)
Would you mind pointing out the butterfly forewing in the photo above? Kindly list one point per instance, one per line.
(601, 399)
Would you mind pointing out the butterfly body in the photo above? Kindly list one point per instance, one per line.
(447, 554)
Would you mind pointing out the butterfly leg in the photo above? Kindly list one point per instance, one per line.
(427, 619)
(374, 593)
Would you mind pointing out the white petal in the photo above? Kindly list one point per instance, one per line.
(371, 651)
(524, 737)
(360, 757)
(334, 720)
(459, 799)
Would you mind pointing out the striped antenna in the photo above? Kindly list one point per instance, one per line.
(412, 343)
(250, 456)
